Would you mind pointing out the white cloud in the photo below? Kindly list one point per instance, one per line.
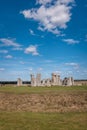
(71, 41)
(17, 49)
(28, 69)
(4, 51)
(22, 62)
(40, 69)
(32, 50)
(2, 69)
(43, 1)
(58, 72)
(71, 64)
(75, 65)
(65, 1)
(52, 17)
(9, 57)
(31, 32)
(48, 61)
(9, 42)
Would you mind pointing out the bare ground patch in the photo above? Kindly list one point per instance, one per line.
(47, 102)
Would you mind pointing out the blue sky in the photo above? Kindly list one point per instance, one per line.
(43, 36)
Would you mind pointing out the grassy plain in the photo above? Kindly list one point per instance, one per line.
(58, 89)
(48, 97)
(43, 121)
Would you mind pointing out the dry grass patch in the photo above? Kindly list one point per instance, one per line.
(47, 102)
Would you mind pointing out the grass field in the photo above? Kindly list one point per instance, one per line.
(42, 121)
(54, 108)
(10, 89)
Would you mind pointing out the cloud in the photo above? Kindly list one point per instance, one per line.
(28, 69)
(9, 42)
(51, 15)
(2, 69)
(75, 65)
(40, 69)
(4, 51)
(58, 72)
(44, 2)
(71, 41)
(71, 64)
(9, 57)
(22, 62)
(17, 49)
(31, 32)
(48, 61)
(32, 50)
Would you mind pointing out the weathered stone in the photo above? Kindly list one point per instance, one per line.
(54, 81)
(19, 82)
(33, 80)
(38, 80)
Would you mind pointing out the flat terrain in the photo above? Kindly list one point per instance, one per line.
(46, 99)
(43, 121)
(46, 108)
(58, 89)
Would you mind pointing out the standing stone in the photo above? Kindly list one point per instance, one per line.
(33, 80)
(69, 82)
(43, 82)
(56, 79)
(53, 79)
(72, 80)
(38, 80)
(19, 82)
(58, 82)
(48, 82)
(64, 82)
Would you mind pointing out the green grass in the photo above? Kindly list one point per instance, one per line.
(11, 89)
(42, 121)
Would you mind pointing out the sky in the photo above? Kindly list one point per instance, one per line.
(43, 36)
